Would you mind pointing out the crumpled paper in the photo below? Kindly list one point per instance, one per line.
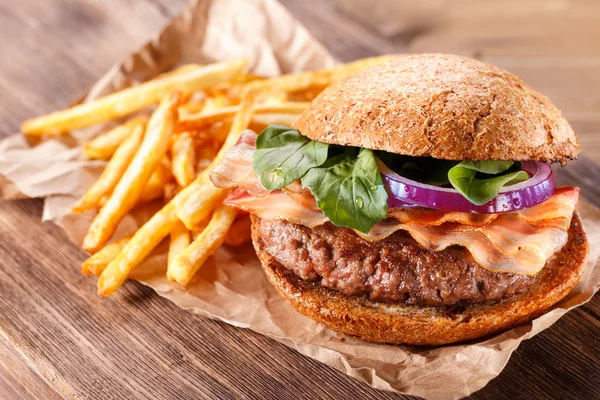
(231, 286)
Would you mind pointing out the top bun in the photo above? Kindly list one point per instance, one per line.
(441, 106)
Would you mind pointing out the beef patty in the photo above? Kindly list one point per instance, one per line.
(396, 269)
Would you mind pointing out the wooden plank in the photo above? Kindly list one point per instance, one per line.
(134, 344)
(58, 48)
(138, 345)
(18, 381)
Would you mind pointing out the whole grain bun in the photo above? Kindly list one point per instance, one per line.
(387, 323)
(441, 106)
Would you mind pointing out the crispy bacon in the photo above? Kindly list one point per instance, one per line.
(300, 195)
(519, 242)
(554, 212)
(235, 170)
(277, 205)
(499, 242)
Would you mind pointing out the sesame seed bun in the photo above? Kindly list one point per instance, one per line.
(441, 106)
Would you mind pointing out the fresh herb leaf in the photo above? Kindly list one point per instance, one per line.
(349, 189)
(478, 180)
(487, 167)
(283, 155)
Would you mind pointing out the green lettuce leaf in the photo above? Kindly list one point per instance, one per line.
(283, 155)
(349, 189)
(479, 181)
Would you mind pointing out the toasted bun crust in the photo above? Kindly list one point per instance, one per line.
(387, 323)
(441, 106)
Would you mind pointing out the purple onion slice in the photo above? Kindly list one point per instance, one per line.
(405, 192)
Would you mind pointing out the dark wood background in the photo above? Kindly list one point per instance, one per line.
(58, 339)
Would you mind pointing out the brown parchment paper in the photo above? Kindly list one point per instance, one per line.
(231, 287)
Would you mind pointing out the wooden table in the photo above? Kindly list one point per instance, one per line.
(58, 339)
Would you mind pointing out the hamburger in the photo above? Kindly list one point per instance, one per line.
(414, 203)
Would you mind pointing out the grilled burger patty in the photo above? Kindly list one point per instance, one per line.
(395, 269)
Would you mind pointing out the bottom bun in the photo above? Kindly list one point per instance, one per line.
(383, 322)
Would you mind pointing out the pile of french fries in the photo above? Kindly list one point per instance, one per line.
(173, 130)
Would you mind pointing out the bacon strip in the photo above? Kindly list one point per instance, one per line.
(429, 217)
(504, 243)
(554, 212)
(519, 242)
(235, 170)
(276, 206)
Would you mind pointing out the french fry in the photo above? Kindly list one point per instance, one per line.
(191, 108)
(212, 135)
(195, 255)
(240, 122)
(96, 264)
(202, 119)
(170, 190)
(218, 101)
(306, 94)
(271, 97)
(184, 158)
(211, 103)
(325, 77)
(136, 250)
(239, 233)
(113, 171)
(235, 87)
(162, 223)
(104, 146)
(155, 187)
(181, 70)
(200, 204)
(204, 157)
(205, 195)
(198, 229)
(132, 99)
(180, 240)
(128, 190)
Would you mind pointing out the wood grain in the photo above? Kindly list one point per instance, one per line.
(18, 381)
(134, 344)
(138, 345)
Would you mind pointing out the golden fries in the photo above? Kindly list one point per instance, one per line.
(306, 80)
(194, 256)
(198, 229)
(204, 196)
(184, 158)
(112, 173)
(204, 157)
(96, 264)
(104, 146)
(160, 178)
(180, 240)
(204, 118)
(191, 108)
(162, 223)
(128, 190)
(240, 232)
(183, 123)
(130, 100)
(181, 70)
(200, 204)
(136, 250)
